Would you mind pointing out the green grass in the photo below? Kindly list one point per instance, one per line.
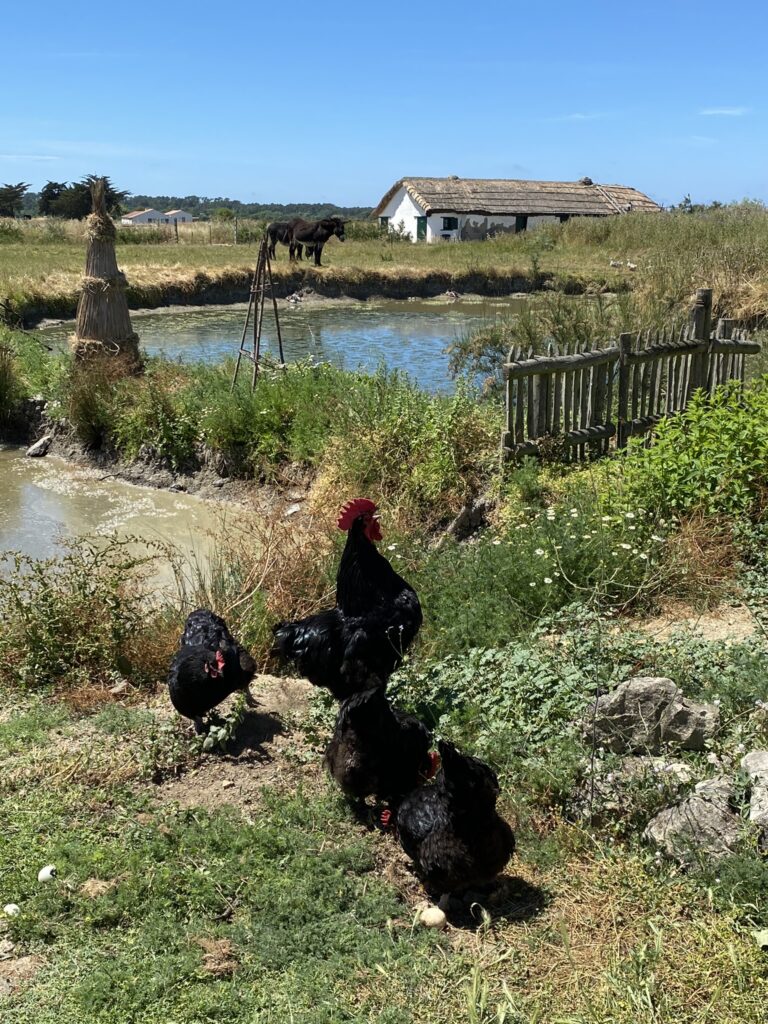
(294, 890)
(674, 253)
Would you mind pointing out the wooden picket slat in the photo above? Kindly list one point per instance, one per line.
(588, 396)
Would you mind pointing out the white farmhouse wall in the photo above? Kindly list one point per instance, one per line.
(402, 207)
(181, 217)
(146, 217)
(435, 232)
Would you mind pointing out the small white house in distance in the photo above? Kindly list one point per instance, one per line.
(452, 209)
(143, 217)
(180, 216)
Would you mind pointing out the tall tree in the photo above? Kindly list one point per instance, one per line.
(12, 198)
(103, 326)
(74, 202)
(50, 193)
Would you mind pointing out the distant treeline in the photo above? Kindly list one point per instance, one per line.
(62, 199)
(203, 207)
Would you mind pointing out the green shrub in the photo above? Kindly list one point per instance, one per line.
(712, 458)
(740, 883)
(157, 415)
(10, 232)
(78, 619)
(10, 386)
(500, 586)
(514, 706)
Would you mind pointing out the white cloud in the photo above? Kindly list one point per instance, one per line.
(580, 117)
(27, 156)
(724, 112)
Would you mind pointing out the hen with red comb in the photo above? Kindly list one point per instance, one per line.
(361, 640)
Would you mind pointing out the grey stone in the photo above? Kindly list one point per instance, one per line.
(645, 712)
(470, 519)
(41, 447)
(756, 765)
(621, 789)
(689, 724)
(703, 826)
(629, 719)
(293, 509)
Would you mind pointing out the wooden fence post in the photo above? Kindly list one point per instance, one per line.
(625, 349)
(700, 329)
(508, 437)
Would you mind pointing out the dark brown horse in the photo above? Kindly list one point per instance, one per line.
(280, 231)
(314, 234)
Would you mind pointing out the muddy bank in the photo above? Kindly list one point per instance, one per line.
(231, 286)
(210, 478)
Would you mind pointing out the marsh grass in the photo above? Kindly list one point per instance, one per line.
(81, 620)
(674, 253)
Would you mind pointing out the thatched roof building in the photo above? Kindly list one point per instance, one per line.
(432, 208)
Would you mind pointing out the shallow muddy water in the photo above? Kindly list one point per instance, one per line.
(406, 335)
(46, 501)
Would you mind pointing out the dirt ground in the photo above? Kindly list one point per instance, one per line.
(269, 749)
(14, 970)
(729, 623)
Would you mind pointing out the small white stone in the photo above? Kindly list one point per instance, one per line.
(11, 909)
(433, 917)
(47, 874)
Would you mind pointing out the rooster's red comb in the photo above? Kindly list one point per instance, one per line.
(353, 509)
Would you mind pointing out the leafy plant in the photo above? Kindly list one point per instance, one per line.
(713, 457)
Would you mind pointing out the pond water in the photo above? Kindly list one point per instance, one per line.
(409, 335)
(46, 501)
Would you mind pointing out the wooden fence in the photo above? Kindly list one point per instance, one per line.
(575, 401)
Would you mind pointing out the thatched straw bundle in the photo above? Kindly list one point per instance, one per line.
(103, 321)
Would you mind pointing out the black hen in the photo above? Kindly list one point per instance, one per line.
(208, 666)
(360, 642)
(451, 829)
(377, 750)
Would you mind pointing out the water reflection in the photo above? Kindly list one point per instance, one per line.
(406, 335)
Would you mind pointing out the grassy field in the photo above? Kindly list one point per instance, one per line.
(726, 249)
(234, 884)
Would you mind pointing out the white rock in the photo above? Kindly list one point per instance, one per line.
(433, 917)
(756, 764)
(47, 874)
(11, 909)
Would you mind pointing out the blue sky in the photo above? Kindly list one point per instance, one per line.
(333, 101)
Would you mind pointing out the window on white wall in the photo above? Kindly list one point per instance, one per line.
(450, 223)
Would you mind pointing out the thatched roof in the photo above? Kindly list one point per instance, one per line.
(508, 197)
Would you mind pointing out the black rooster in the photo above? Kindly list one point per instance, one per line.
(359, 643)
(451, 829)
(208, 666)
(377, 750)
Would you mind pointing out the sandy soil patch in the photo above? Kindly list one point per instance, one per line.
(729, 623)
(268, 750)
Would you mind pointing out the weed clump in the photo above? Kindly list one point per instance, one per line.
(80, 620)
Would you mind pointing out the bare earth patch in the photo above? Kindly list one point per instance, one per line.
(268, 750)
(729, 623)
(218, 956)
(15, 970)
